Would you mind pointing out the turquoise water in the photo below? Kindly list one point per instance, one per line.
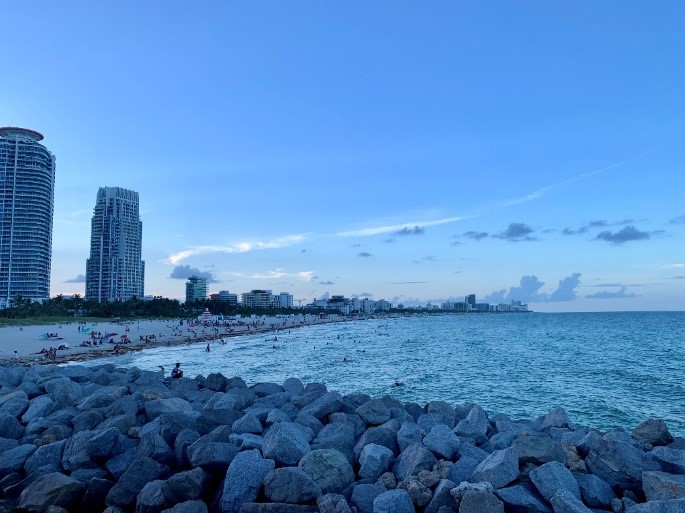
(604, 369)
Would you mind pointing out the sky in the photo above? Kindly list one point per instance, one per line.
(408, 151)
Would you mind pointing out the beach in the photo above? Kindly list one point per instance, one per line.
(85, 341)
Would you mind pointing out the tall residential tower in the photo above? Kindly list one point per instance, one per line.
(115, 271)
(27, 186)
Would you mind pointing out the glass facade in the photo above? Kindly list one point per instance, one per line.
(27, 185)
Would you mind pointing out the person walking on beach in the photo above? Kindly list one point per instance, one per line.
(207, 349)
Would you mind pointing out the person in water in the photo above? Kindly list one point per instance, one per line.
(207, 349)
(177, 372)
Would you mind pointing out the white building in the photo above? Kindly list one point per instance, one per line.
(27, 184)
(258, 299)
(115, 271)
(285, 300)
(226, 296)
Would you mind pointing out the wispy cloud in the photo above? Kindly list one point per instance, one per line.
(605, 294)
(516, 232)
(364, 254)
(396, 228)
(475, 235)
(329, 282)
(678, 220)
(626, 234)
(277, 274)
(238, 247)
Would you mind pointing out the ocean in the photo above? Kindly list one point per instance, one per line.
(605, 369)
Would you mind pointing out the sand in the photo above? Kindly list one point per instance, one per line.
(28, 341)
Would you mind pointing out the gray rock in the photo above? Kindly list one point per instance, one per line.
(653, 432)
(537, 449)
(101, 398)
(552, 478)
(77, 451)
(15, 404)
(277, 507)
(620, 464)
(85, 475)
(122, 422)
(54, 489)
(420, 494)
(290, 484)
(328, 403)
(442, 441)
(156, 407)
(309, 421)
(671, 460)
(285, 443)
(374, 461)
(374, 412)
(171, 424)
(247, 424)
(277, 415)
(96, 492)
(64, 390)
(474, 426)
(211, 456)
(188, 507)
(522, 499)
(375, 435)
(463, 469)
(38, 407)
(393, 501)
(409, 433)
(184, 439)
(673, 506)
(661, 486)
(47, 455)
(154, 446)
(468, 450)
(217, 382)
(189, 485)
(442, 497)
(566, 502)
(595, 491)
(13, 459)
(444, 410)
(152, 498)
(333, 503)
(293, 387)
(500, 468)
(10, 427)
(329, 469)
(480, 502)
(244, 479)
(363, 496)
(119, 464)
(428, 421)
(265, 389)
(387, 481)
(557, 418)
(413, 459)
(143, 470)
(87, 421)
(338, 436)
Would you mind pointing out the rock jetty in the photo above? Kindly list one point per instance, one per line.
(118, 440)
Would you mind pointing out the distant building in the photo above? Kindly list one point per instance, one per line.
(231, 299)
(196, 288)
(285, 300)
(27, 184)
(115, 270)
(471, 301)
(258, 299)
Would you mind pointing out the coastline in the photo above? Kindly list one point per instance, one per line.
(28, 341)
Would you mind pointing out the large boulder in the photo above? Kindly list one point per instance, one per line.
(338, 436)
(333, 503)
(557, 418)
(671, 460)
(328, 403)
(290, 484)
(53, 489)
(500, 468)
(49, 455)
(38, 407)
(620, 464)
(522, 498)
(329, 469)
(211, 456)
(142, 470)
(247, 424)
(413, 460)
(672, 506)
(374, 412)
(552, 478)
(653, 432)
(480, 502)
(409, 433)
(375, 435)
(463, 469)
(537, 448)
(10, 427)
(442, 497)
(393, 501)
(566, 502)
(363, 496)
(374, 461)
(442, 441)
(285, 443)
(474, 426)
(189, 485)
(13, 459)
(156, 407)
(188, 507)
(661, 486)
(595, 491)
(244, 479)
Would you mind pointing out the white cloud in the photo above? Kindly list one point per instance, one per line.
(392, 228)
(278, 273)
(237, 247)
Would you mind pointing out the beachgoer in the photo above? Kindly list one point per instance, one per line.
(207, 348)
(177, 372)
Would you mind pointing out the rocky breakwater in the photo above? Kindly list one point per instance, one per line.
(93, 439)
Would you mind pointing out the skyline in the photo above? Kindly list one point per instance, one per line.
(374, 151)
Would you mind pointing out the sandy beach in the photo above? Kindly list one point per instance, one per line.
(79, 341)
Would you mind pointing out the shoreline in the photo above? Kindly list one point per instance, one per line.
(154, 334)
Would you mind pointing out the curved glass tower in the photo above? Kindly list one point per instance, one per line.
(27, 188)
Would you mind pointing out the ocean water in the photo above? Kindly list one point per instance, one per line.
(605, 369)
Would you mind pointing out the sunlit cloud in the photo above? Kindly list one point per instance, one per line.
(395, 228)
(237, 247)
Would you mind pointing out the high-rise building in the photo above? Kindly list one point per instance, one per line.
(258, 299)
(27, 187)
(115, 271)
(196, 288)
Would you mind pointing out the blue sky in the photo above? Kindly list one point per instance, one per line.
(407, 151)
